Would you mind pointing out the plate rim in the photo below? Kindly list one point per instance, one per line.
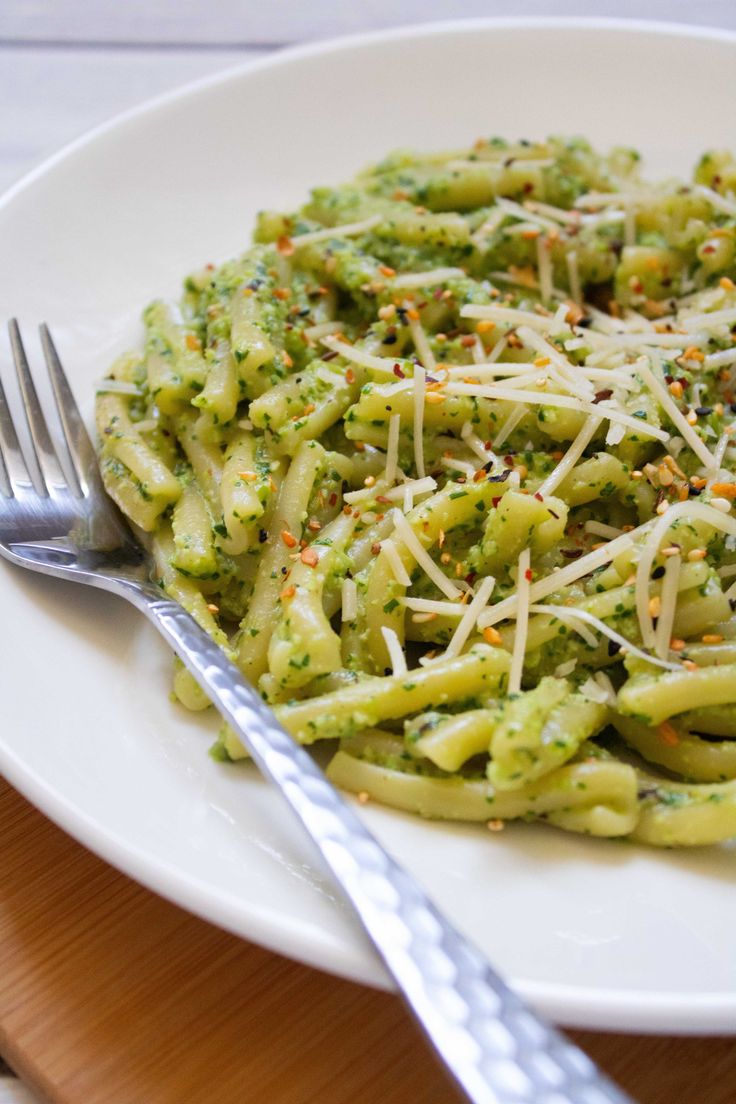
(643, 1012)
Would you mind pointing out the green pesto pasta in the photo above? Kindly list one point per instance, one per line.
(446, 461)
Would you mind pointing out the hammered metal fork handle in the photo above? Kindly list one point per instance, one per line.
(498, 1049)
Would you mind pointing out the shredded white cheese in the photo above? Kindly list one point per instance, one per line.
(421, 343)
(401, 575)
(322, 329)
(573, 276)
(659, 530)
(668, 606)
(392, 447)
(582, 615)
(543, 399)
(117, 387)
(420, 390)
(349, 600)
(366, 360)
(600, 529)
(469, 618)
(347, 230)
(395, 651)
(442, 609)
(558, 580)
(522, 622)
(426, 279)
(675, 415)
(409, 539)
(544, 268)
(571, 457)
(413, 486)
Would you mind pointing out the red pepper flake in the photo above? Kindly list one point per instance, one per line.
(285, 245)
(287, 360)
(528, 574)
(309, 557)
(538, 497)
(289, 539)
(468, 341)
(383, 500)
(349, 375)
(333, 499)
(386, 270)
(399, 372)
(193, 343)
(282, 293)
(287, 592)
(313, 525)
(668, 734)
(495, 501)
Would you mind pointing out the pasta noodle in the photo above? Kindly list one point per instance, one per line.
(446, 462)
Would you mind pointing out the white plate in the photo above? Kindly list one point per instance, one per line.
(597, 934)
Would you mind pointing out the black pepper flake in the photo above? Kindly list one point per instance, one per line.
(262, 536)
(658, 572)
(390, 339)
(613, 648)
(604, 394)
(329, 356)
(571, 553)
(501, 477)
(703, 411)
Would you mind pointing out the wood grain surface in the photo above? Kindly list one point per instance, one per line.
(110, 995)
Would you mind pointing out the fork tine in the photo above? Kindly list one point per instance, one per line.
(13, 467)
(81, 450)
(42, 447)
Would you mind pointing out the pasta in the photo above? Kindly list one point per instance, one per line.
(446, 462)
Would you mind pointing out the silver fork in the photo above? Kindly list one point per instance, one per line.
(56, 518)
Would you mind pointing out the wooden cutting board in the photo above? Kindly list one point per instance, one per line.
(110, 995)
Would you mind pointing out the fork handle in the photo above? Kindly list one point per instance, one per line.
(498, 1050)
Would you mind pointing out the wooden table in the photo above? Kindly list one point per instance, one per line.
(108, 993)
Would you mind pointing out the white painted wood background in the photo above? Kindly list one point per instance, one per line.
(67, 65)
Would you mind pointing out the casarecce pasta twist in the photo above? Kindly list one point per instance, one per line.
(445, 461)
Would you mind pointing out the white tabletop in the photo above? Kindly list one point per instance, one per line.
(67, 65)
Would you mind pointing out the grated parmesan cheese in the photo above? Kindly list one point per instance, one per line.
(426, 279)
(668, 606)
(675, 415)
(117, 387)
(573, 276)
(392, 448)
(558, 580)
(366, 360)
(401, 575)
(659, 530)
(571, 457)
(421, 344)
(522, 622)
(543, 399)
(395, 651)
(544, 268)
(470, 616)
(347, 230)
(599, 529)
(349, 600)
(411, 542)
(582, 615)
(420, 390)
